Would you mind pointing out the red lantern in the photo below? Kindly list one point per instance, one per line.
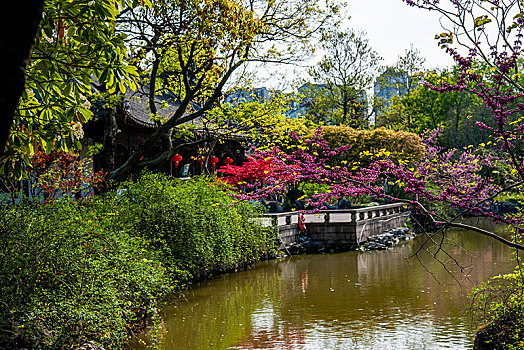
(177, 158)
(213, 161)
(228, 160)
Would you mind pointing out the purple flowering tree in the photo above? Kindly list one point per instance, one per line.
(443, 176)
(491, 32)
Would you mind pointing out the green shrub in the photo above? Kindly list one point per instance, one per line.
(367, 146)
(95, 270)
(202, 229)
(67, 275)
(370, 145)
(501, 303)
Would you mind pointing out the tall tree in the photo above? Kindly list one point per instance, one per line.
(398, 80)
(409, 65)
(191, 49)
(186, 48)
(342, 77)
(491, 31)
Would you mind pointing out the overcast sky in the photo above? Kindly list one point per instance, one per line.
(391, 26)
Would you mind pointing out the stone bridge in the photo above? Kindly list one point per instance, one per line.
(340, 227)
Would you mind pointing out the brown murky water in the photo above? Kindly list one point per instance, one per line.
(355, 300)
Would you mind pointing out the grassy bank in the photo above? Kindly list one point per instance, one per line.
(97, 269)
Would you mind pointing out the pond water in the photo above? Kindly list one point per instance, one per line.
(354, 300)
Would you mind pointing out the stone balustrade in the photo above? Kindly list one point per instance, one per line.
(342, 227)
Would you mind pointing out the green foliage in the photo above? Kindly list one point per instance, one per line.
(192, 50)
(279, 134)
(97, 269)
(251, 117)
(69, 274)
(370, 145)
(76, 42)
(366, 146)
(341, 79)
(501, 301)
(198, 222)
(91, 52)
(422, 109)
(194, 43)
(511, 197)
(455, 112)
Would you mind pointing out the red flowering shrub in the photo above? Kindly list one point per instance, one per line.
(255, 171)
(61, 174)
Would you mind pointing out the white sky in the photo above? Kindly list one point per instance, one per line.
(392, 26)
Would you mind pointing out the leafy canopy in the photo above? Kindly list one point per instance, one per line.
(77, 45)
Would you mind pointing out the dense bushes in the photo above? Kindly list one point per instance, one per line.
(370, 145)
(367, 146)
(95, 269)
(198, 223)
(68, 275)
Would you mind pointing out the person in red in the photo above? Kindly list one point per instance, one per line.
(302, 224)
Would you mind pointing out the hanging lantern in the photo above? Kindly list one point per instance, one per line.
(177, 158)
(213, 161)
(228, 160)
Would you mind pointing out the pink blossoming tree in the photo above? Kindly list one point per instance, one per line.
(444, 176)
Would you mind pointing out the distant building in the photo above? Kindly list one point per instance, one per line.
(389, 84)
(306, 104)
(296, 109)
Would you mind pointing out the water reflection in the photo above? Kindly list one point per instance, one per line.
(373, 300)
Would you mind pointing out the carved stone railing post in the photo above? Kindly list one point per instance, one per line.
(353, 217)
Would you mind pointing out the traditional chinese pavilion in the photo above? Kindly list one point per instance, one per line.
(135, 126)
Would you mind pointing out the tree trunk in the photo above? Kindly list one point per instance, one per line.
(18, 25)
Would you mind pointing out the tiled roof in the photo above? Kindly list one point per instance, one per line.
(137, 110)
(136, 107)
